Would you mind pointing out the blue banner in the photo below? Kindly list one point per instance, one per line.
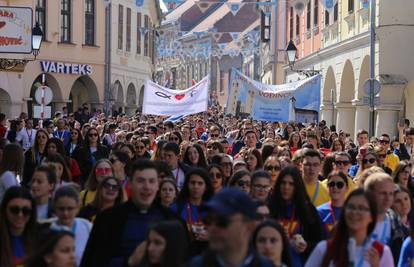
(298, 101)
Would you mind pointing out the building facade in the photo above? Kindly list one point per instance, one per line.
(71, 58)
(131, 53)
(344, 62)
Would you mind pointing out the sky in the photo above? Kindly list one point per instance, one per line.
(163, 6)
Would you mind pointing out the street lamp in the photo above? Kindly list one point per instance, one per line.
(37, 38)
(291, 52)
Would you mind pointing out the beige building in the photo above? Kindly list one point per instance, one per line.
(132, 51)
(71, 57)
(344, 60)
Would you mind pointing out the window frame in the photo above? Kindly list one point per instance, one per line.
(66, 27)
(40, 15)
(90, 23)
(120, 27)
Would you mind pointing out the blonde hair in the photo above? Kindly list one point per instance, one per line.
(362, 176)
(375, 178)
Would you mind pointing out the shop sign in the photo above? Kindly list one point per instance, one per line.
(66, 68)
(15, 29)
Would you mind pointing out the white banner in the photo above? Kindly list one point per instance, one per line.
(162, 101)
(15, 29)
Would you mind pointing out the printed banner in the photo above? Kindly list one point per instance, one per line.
(298, 101)
(15, 29)
(159, 100)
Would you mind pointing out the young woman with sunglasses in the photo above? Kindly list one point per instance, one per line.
(42, 186)
(330, 212)
(17, 226)
(141, 148)
(216, 177)
(108, 194)
(213, 148)
(194, 156)
(291, 206)
(402, 175)
(370, 159)
(66, 204)
(196, 190)
(10, 167)
(273, 167)
(270, 240)
(90, 152)
(382, 155)
(351, 244)
(34, 156)
(242, 180)
(75, 141)
(54, 249)
(103, 168)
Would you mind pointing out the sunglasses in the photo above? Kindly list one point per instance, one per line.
(371, 161)
(16, 210)
(341, 162)
(243, 183)
(103, 171)
(338, 185)
(93, 135)
(216, 175)
(111, 187)
(270, 168)
(384, 141)
(214, 135)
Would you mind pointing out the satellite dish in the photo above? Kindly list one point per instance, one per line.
(299, 5)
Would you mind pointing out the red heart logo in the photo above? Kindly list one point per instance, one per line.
(2, 24)
(179, 97)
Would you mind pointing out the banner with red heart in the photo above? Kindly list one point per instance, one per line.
(2, 24)
(179, 97)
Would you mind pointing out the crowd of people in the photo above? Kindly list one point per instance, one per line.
(208, 190)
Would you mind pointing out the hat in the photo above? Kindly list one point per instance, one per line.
(239, 161)
(230, 201)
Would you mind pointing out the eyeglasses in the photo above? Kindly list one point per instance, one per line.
(63, 209)
(360, 208)
(112, 187)
(271, 168)
(16, 210)
(215, 175)
(371, 161)
(338, 185)
(103, 171)
(242, 183)
(93, 135)
(261, 187)
(218, 220)
(214, 135)
(342, 162)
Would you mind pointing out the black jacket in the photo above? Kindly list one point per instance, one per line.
(105, 241)
(83, 156)
(29, 166)
(209, 259)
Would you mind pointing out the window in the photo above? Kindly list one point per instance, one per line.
(351, 6)
(146, 36)
(120, 26)
(65, 21)
(138, 33)
(326, 18)
(308, 17)
(316, 12)
(41, 15)
(90, 22)
(297, 25)
(336, 12)
(128, 30)
(150, 36)
(291, 24)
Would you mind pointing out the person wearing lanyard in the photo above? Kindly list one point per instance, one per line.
(311, 167)
(171, 153)
(388, 229)
(196, 190)
(61, 132)
(351, 244)
(330, 211)
(66, 204)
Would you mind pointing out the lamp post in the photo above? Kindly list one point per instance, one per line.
(37, 38)
(291, 52)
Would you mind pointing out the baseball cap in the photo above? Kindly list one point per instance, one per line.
(230, 201)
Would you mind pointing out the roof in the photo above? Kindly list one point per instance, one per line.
(251, 27)
(178, 12)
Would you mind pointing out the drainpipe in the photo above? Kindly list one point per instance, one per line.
(107, 90)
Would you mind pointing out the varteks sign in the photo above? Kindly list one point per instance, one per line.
(66, 68)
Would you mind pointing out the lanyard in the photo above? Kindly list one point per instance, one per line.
(288, 223)
(190, 215)
(176, 176)
(315, 194)
(29, 135)
(60, 136)
(113, 138)
(362, 257)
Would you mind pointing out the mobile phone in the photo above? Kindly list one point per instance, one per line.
(363, 151)
(402, 122)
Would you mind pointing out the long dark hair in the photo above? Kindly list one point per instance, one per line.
(86, 140)
(202, 162)
(305, 211)
(337, 251)
(57, 158)
(45, 246)
(6, 251)
(185, 192)
(176, 249)
(97, 202)
(286, 257)
(13, 159)
(60, 147)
